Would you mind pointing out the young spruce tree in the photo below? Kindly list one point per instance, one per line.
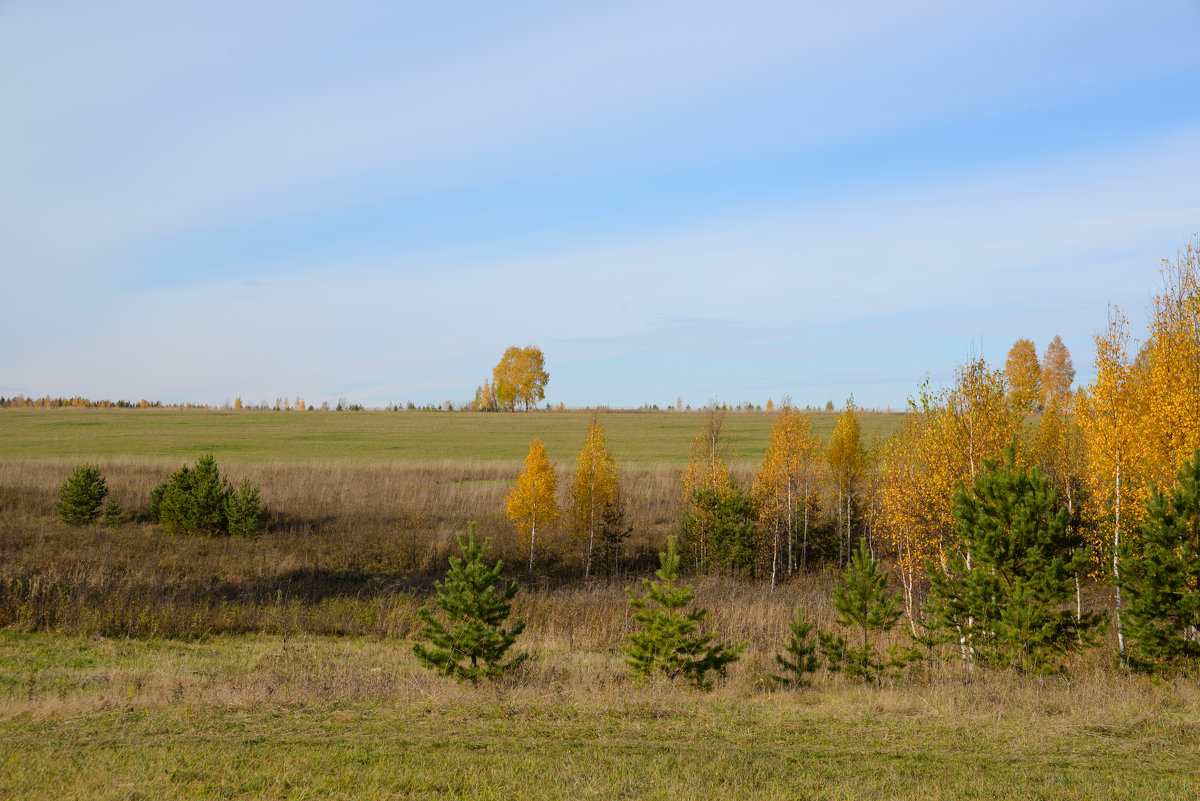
(1162, 583)
(81, 496)
(668, 642)
(471, 644)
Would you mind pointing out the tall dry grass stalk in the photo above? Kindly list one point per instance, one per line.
(348, 548)
(351, 549)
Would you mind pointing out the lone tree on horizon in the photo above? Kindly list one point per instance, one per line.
(520, 378)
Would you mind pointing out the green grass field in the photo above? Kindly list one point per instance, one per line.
(337, 718)
(254, 436)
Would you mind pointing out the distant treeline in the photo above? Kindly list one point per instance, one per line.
(47, 402)
(288, 405)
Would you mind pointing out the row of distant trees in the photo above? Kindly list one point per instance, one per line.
(77, 402)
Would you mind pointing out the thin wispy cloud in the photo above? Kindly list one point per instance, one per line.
(698, 199)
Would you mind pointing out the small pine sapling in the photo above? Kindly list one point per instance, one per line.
(613, 531)
(863, 603)
(801, 654)
(243, 510)
(472, 643)
(114, 516)
(81, 496)
(668, 642)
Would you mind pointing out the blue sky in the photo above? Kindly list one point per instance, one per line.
(727, 201)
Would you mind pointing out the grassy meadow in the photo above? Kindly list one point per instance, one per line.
(635, 438)
(347, 718)
(134, 664)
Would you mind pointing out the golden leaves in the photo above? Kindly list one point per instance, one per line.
(1057, 372)
(596, 484)
(520, 378)
(1024, 375)
(532, 502)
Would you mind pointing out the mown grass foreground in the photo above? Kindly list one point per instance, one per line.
(268, 717)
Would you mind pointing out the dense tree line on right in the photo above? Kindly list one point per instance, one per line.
(1000, 499)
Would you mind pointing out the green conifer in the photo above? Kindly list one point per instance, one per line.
(81, 496)
(193, 500)
(243, 510)
(862, 602)
(114, 516)
(1162, 583)
(723, 518)
(668, 642)
(471, 643)
(801, 654)
(1009, 601)
(198, 500)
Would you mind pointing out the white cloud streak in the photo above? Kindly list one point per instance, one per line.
(135, 127)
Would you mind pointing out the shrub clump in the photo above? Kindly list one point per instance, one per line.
(82, 496)
(199, 501)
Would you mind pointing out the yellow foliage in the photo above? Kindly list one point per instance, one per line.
(1059, 448)
(919, 470)
(596, 484)
(940, 448)
(1141, 418)
(845, 448)
(1024, 375)
(706, 467)
(1057, 372)
(1111, 411)
(532, 502)
(520, 377)
(783, 487)
(1170, 370)
(845, 458)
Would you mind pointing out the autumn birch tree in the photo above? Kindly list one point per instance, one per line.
(532, 501)
(520, 378)
(981, 417)
(596, 486)
(1171, 369)
(914, 511)
(1024, 375)
(845, 457)
(1110, 419)
(1057, 371)
(785, 485)
(940, 447)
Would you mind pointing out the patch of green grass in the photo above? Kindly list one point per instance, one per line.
(255, 436)
(262, 717)
(755, 750)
